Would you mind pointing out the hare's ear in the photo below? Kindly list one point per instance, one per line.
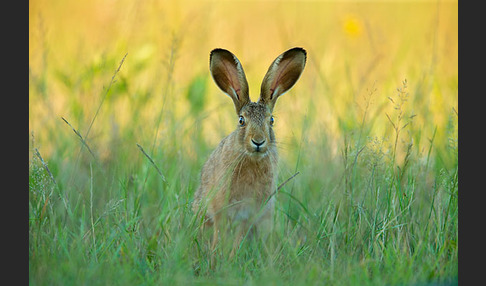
(228, 74)
(282, 74)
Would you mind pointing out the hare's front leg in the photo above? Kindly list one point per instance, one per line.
(215, 240)
(265, 222)
(244, 231)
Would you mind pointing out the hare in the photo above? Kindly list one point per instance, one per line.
(239, 178)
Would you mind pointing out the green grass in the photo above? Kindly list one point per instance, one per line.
(117, 142)
(361, 216)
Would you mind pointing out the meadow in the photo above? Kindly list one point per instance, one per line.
(123, 114)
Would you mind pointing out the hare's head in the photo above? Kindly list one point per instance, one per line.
(255, 119)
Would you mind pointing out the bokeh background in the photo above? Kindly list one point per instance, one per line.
(353, 48)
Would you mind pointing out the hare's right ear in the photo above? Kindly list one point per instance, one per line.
(282, 74)
(228, 74)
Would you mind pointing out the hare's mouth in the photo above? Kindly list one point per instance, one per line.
(257, 155)
(256, 151)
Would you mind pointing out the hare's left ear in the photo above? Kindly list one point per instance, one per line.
(282, 74)
(229, 76)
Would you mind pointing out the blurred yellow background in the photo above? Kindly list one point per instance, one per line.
(358, 53)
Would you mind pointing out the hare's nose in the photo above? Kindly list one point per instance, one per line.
(258, 143)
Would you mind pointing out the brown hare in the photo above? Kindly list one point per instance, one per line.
(239, 178)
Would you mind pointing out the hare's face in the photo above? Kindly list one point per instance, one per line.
(255, 133)
(255, 124)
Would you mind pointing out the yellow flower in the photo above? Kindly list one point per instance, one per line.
(352, 26)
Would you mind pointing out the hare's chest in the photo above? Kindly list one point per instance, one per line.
(253, 182)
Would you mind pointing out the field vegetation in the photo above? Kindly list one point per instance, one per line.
(123, 113)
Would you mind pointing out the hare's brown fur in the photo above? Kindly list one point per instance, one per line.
(239, 178)
(235, 176)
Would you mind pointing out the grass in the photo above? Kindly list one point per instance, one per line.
(117, 141)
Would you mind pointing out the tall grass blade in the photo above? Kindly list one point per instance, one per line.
(152, 162)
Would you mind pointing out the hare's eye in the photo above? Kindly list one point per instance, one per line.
(271, 120)
(241, 121)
